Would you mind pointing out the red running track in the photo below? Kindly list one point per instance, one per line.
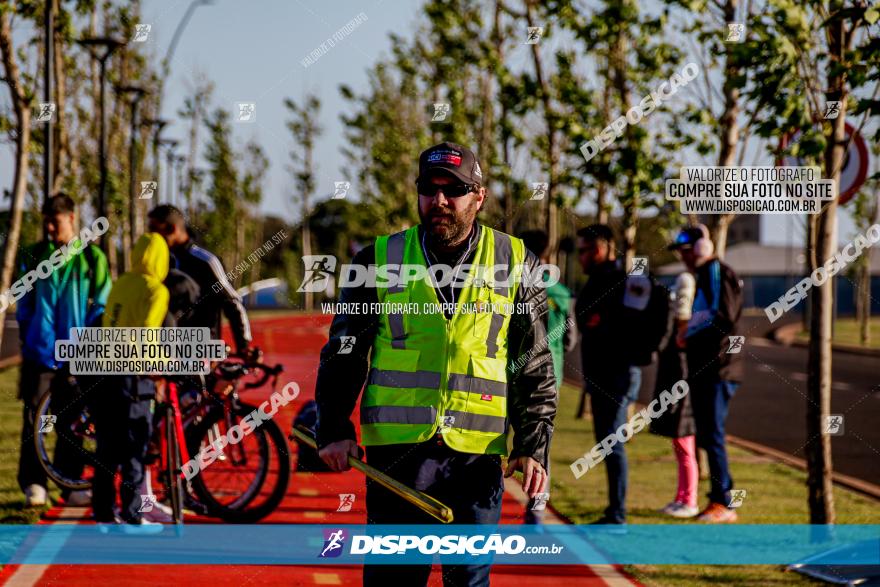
(295, 341)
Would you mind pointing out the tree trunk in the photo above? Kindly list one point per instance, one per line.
(602, 188)
(863, 299)
(21, 105)
(719, 233)
(631, 201)
(63, 165)
(729, 131)
(551, 223)
(818, 448)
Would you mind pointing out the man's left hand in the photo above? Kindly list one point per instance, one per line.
(534, 475)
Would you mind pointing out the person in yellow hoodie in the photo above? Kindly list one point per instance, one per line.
(123, 419)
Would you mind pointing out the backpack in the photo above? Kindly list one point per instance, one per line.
(647, 316)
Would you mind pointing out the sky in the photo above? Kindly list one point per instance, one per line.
(253, 52)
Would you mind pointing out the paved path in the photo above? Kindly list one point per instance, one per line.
(311, 498)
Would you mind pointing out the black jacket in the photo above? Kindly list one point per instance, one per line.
(708, 339)
(600, 320)
(531, 388)
(216, 294)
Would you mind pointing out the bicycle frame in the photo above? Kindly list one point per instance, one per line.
(178, 427)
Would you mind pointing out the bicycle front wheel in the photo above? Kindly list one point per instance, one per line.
(52, 432)
(248, 478)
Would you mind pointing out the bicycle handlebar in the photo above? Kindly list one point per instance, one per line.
(233, 370)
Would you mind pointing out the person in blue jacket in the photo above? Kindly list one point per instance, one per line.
(71, 296)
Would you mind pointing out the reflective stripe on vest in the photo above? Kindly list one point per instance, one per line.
(395, 257)
(431, 380)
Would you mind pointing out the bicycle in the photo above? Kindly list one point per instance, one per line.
(168, 429)
(206, 414)
(259, 460)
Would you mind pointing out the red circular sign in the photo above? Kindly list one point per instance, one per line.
(855, 162)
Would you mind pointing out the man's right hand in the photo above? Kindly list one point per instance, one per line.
(335, 455)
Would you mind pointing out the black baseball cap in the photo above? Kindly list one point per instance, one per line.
(456, 160)
(686, 238)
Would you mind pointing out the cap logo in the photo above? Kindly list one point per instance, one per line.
(450, 157)
(477, 171)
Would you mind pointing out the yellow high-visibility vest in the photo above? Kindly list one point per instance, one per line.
(429, 373)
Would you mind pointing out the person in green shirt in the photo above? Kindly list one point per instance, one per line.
(561, 331)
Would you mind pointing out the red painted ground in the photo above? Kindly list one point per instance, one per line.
(294, 341)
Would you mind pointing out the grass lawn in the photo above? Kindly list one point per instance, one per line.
(846, 331)
(776, 494)
(11, 497)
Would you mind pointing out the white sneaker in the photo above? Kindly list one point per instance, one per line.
(158, 515)
(79, 498)
(676, 509)
(142, 527)
(34, 496)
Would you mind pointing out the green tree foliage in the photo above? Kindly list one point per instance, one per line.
(219, 227)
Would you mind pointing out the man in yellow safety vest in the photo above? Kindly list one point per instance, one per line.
(449, 333)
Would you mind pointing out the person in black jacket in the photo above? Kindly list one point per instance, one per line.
(450, 196)
(216, 294)
(610, 375)
(714, 372)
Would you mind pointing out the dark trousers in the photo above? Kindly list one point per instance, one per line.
(609, 398)
(35, 382)
(472, 485)
(123, 423)
(710, 400)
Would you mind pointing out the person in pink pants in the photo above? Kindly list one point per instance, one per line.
(678, 421)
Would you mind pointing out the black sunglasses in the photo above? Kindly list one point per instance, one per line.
(451, 190)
